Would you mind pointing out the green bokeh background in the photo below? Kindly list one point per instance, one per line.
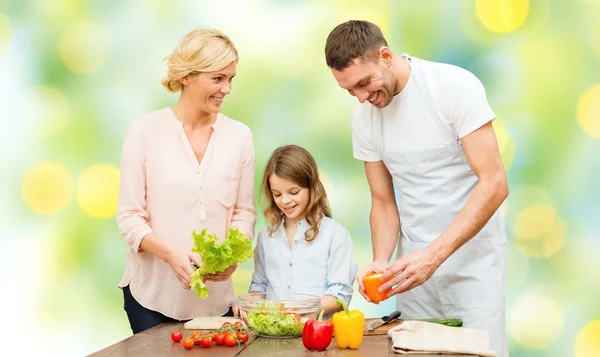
(76, 73)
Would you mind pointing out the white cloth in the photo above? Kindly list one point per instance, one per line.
(418, 337)
(417, 137)
(324, 266)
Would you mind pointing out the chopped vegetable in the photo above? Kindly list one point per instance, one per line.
(276, 323)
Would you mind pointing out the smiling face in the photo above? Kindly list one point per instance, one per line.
(289, 197)
(370, 79)
(208, 89)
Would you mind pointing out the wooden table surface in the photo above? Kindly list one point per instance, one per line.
(156, 342)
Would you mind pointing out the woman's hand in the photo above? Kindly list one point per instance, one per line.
(180, 264)
(221, 276)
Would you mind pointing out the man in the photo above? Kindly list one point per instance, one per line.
(427, 128)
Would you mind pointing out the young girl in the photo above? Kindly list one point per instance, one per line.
(302, 250)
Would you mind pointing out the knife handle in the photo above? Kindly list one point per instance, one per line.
(394, 315)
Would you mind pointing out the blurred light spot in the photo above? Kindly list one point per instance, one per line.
(46, 111)
(84, 47)
(588, 112)
(536, 321)
(587, 343)
(527, 195)
(518, 270)
(539, 232)
(98, 190)
(375, 11)
(502, 16)
(328, 185)
(6, 32)
(506, 143)
(502, 77)
(46, 188)
(595, 39)
(534, 221)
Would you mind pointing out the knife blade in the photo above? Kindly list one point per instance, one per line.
(384, 320)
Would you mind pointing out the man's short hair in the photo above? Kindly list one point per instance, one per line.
(350, 40)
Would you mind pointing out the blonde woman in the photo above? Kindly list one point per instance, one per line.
(184, 167)
(302, 250)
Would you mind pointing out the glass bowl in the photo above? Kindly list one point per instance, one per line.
(278, 315)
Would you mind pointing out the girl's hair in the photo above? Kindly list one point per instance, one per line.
(198, 51)
(293, 163)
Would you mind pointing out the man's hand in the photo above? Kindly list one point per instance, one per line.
(221, 276)
(411, 270)
(378, 266)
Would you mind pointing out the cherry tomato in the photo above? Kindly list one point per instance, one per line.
(238, 323)
(206, 342)
(195, 335)
(242, 337)
(188, 343)
(219, 338)
(176, 336)
(230, 340)
(226, 323)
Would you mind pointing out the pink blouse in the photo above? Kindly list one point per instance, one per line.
(164, 190)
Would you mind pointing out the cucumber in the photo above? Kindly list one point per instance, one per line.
(444, 321)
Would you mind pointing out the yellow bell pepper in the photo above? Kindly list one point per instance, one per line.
(348, 327)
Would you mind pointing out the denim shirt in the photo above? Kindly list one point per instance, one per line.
(324, 266)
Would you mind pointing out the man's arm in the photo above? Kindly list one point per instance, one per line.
(384, 218)
(483, 156)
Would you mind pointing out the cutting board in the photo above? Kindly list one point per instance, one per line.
(208, 323)
(381, 330)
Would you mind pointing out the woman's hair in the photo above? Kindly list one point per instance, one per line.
(293, 163)
(198, 51)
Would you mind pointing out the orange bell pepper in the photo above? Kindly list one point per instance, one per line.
(372, 282)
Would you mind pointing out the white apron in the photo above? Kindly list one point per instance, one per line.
(434, 186)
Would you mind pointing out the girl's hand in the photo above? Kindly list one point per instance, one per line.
(180, 264)
(236, 310)
(222, 276)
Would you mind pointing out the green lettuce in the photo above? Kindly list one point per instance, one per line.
(280, 324)
(236, 248)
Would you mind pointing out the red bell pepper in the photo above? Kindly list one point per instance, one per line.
(317, 334)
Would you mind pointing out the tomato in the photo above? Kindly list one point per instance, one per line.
(242, 337)
(230, 340)
(219, 338)
(238, 323)
(195, 335)
(226, 323)
(188, 343)
(206, 342)
(176, 336)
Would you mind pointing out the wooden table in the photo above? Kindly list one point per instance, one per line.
(157, 342)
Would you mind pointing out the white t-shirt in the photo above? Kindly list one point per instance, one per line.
(408, 124)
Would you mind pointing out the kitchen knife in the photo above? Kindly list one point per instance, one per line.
(384, 320)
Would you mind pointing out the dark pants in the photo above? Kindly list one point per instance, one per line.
(140, 318)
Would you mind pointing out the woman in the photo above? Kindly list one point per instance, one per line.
(183, 168)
